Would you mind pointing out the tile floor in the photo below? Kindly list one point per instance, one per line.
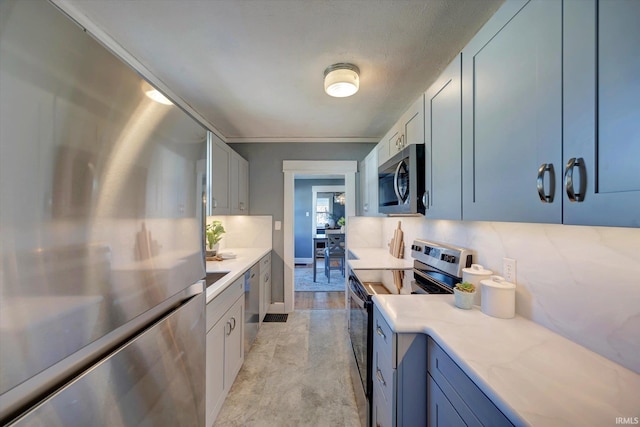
(296, 374)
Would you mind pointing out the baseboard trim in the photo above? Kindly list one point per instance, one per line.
(303, 260)
(276, 307)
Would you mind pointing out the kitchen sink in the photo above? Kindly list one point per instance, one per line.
(214, 277)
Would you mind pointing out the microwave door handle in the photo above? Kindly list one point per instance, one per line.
(396, 177)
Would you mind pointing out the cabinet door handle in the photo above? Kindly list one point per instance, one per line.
(380, 377)
(366, 207)
(425, 199)
(230, 328)
(233, 325)
(379, 332)
(568, 179)
(546, 198)
(214, 202)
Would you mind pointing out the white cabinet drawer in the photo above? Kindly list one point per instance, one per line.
(469, 401)
(383, 374)
(383, 340)
(382, 410)
(220, 304)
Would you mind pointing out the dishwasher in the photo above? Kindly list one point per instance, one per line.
(251, 305)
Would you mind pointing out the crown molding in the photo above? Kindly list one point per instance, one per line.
(309, 140)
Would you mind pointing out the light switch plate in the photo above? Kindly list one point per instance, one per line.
(278, 225)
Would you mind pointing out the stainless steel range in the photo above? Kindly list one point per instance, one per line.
(437, 267)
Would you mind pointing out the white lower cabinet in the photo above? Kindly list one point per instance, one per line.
(399, 365)
(441, 412)
(453, 399)
(224, 346)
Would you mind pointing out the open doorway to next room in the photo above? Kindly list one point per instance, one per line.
(319, 215)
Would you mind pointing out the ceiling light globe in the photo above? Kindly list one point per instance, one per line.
(341, 80)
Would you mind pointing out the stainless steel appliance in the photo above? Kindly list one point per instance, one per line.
(401, 182)
(101, 300)
(251, 305)
(363, 284)
(437, 267)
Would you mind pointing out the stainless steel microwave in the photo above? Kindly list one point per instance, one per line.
(401, 182)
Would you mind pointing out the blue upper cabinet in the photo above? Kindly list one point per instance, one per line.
(512, 115)
(443, 145)
(601, 112)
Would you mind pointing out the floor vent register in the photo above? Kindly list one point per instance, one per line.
(279, 317)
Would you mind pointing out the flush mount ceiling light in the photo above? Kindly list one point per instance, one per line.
(341, 80)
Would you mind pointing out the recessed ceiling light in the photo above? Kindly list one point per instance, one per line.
(341, 80)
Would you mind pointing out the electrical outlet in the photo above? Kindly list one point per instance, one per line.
(509, 269)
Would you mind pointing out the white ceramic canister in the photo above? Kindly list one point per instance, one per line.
(475, 274)
(498, 297)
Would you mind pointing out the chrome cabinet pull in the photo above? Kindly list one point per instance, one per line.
(379, 332)
(241, 206)
(380, 377)
(214, 202)
(233, 326)
(568, 179)
(230, 328)
(425, 199)
(546, 198)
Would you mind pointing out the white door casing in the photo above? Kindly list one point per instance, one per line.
(291, 168)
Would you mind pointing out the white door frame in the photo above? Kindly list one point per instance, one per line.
(291, 168)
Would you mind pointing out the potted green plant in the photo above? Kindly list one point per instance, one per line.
(214, 232)
(341, 223)
(464, 294)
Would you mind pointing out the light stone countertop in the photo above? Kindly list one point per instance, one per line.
(533, 375)
(377, 258)
(244, 260)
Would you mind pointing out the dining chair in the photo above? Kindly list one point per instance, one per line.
(334, 255)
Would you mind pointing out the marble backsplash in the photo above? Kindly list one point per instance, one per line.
(581, 282)
(245, 231)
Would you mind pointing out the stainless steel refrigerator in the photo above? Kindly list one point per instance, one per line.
(101, 300)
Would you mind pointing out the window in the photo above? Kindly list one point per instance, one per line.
(324, 207)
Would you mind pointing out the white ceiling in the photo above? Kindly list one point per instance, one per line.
(253, 69)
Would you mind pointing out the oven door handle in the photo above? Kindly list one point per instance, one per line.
(357, 298)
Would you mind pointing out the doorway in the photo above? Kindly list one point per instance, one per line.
(321, 169)
(319, 212)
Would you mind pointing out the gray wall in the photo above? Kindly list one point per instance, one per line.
(266, 184)
(303, 200)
